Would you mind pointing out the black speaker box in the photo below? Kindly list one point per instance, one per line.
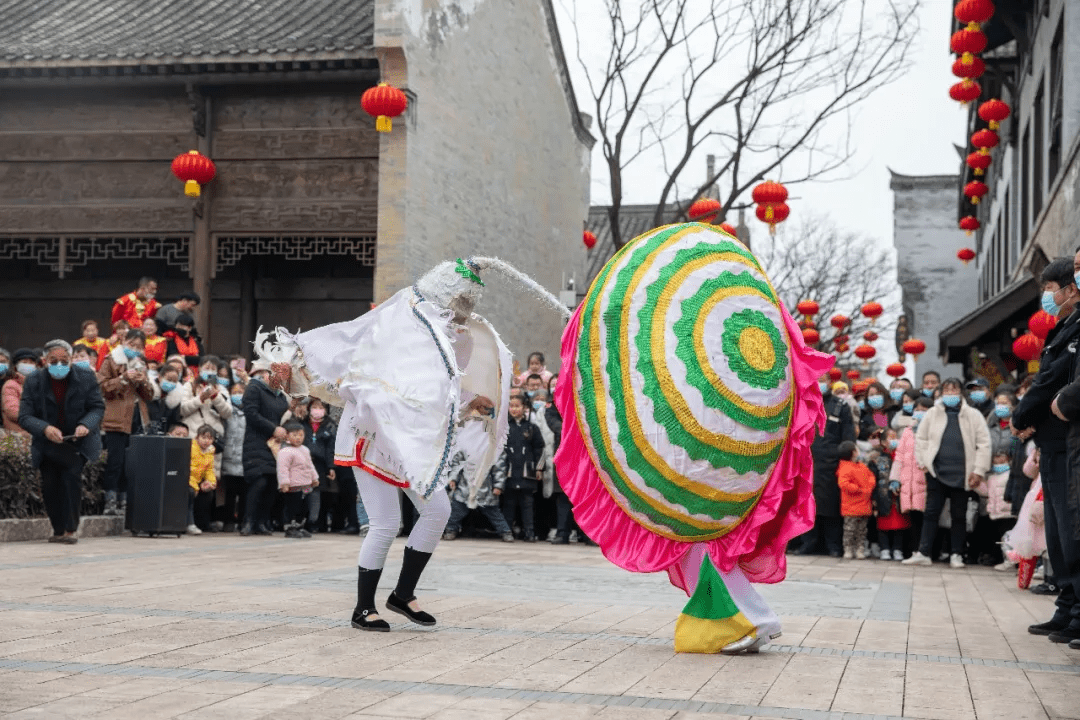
(158, 470)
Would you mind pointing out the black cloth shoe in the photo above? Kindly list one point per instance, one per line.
(366, 583)
(1046, 589)
(1065, 635)
(1046, 628)
(1074, 645)
(396, 604)
(360, 621)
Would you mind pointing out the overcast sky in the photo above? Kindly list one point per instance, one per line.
(909, 126)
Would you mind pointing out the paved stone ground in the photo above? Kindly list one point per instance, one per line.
(236, 628)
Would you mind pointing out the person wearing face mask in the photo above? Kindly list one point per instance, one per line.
(320, 436)
(184, 341)
(62, 409)
(547, 522)
(879, 412)
(204, 402)
(1035, 413)
(905, 470)
(902, 418)
(126, 390)
(232, 463)
(980, 397)
(12, 377)
(930, 382)
(840, 426)
(264, 406)
(136, 306)
(952, 446)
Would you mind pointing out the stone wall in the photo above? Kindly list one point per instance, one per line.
(937, 288)
(487, 161)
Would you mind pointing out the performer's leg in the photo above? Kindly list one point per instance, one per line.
(381, 501)
(425, 535)
(753, 606)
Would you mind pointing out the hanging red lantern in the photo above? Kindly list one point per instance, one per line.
(870, 336)
(913, 347)
(195, 170)
(1027, 347)
(853, 374)
(729, 229)
(993, 112)
(975, 190)
(840, 339)
(769, 193)
(811, 336)
(839, 321)
(384, 102)
(979, 161)
(835, 373)
(984, 140)
(865, 352)
(973, 13)
(704, 210)
(860, 387)
(896, 370)
(970, 224)
(965, 255)
(967, 42)
(969, 70)
(808, 308)
(589, 239)
(873, 311)
(965, 92)
(1041, 323)
(842, 348)
(773, 215)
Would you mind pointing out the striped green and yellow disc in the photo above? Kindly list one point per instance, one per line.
(683, 380)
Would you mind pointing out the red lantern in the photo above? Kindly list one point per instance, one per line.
(842, 348)
(704, 210)
(979, 161)
(965, 255)
(865, 352)
(993, 112)
(729, 229)
(195, 169)
(969, 70)
(808, 308)
(860, 386)
(835, 373)
(973, 12)
(811, 336)
(384, 102)
(913, 347)
(1041, 323)
(984, 140)
(970, 224)
(896, 370)
(873, 311)
(975, 191)
(966, 91)
(772, 214)
(1027, 347)
(839, 321)
(853, 374)
(840, 339)
(769, 193)
(967, 42)
(589, 239)
(870, 336)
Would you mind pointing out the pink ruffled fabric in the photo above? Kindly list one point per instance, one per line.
(786, 508)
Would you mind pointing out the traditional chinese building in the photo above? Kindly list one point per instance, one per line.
(313, 216)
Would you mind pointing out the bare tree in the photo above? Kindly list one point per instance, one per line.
(841, 272)
(761, 84)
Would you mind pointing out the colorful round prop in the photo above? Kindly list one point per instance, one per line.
(683, 384)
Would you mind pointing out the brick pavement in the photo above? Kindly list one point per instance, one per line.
(230, 627)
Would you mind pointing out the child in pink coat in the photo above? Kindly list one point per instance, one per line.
(297, 477)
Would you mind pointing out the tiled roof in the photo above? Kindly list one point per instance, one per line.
(87, 32)
(634, 220)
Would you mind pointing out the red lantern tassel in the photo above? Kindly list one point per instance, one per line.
(191, 188)
(384, 124)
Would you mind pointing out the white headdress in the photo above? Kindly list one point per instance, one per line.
(458, 285)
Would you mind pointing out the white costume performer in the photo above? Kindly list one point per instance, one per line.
(408, 374)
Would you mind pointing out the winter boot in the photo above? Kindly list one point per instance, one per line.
(411, 568)
(366, 583)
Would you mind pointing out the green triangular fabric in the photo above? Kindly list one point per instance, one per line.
(711, 600)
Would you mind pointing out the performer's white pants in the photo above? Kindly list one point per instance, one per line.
(384, 515)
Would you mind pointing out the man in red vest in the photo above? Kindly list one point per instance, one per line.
(183, 340)
(139, 305)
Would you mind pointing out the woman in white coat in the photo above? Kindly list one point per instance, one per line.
(952, 446)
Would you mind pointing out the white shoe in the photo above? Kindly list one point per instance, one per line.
(860, 554)
(917, 558)
(956, 561)
(848, 555)
(1007, 566)
(193, 530)
(1039, 574)
(898, 555)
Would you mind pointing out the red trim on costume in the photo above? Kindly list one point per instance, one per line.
(375, 472)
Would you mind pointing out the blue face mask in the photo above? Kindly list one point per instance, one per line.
(26, 368)
(222, 381)
(237, 399)
(918, 415)
(168, 386)
(823, 387)
(1001, 468)
(1002, 411)
(909, 407)
(897, 394)
(862, 404)
(130, 353)
(978, 396)
(928, 392)
(3, 368)
(1049, 305)
(950, 400)
(538, 405)
(85, 364)
(207, 376)
(530, 393)
(893, 444)
(876, 401)
(58, 371)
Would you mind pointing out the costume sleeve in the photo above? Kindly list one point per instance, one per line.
(27, 420)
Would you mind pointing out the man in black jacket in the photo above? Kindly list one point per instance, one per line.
(264, 407)
(1057, 368)
(62, 408)
(839, 427)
